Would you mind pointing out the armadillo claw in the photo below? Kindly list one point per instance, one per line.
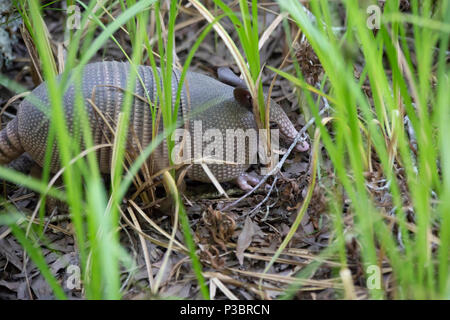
(302, 146)
(246, 182)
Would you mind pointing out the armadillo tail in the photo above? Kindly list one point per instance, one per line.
(10, 146)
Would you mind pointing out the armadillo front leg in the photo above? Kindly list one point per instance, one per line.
(246, 182)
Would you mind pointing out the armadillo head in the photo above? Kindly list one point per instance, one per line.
(278, 118)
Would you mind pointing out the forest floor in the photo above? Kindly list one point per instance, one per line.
(234, 245)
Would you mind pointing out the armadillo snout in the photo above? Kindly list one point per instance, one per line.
(287, 129)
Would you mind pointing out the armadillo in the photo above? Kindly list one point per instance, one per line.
(101, 82)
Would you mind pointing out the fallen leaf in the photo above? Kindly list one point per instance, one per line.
(245, 238)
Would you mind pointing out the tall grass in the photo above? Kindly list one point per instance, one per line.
(94, 212)
(360, 125)
(365, 131)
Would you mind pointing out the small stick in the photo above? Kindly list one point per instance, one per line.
(266, 197)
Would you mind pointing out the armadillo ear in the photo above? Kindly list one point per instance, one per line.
(243, 97)
(227, 76)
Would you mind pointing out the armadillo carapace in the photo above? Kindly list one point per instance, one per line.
(210, 102)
